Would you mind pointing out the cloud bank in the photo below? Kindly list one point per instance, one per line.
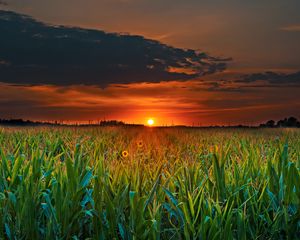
(35, 53)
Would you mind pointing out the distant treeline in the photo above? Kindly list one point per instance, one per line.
(287, 122)
(116, 123)
(21, 122)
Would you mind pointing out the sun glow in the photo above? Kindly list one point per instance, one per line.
(150, 122)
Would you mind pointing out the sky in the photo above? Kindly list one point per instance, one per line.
(179, 62)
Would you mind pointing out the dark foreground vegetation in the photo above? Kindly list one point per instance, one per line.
(149, 183)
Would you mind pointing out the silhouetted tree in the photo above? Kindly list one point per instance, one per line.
(288, 122)
(270, 123)
(292, 122)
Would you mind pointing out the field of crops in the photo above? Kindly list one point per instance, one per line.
(149, 183)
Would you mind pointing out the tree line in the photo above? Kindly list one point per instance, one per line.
(286, 122)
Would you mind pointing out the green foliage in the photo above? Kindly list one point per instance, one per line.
(75, 183)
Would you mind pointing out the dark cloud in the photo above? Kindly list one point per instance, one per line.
(32, 52)
(272, 78)
(3, 3)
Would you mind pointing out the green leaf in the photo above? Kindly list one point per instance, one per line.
(86, 179)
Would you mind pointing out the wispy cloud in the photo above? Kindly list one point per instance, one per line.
(291, 28)
(185, 102)
(273, 78)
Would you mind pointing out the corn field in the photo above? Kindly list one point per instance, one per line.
(149, 183)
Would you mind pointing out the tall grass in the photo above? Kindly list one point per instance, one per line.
(77, 183)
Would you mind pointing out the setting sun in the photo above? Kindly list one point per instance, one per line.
(150, 122)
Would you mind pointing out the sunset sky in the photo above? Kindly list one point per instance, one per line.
(178, 62)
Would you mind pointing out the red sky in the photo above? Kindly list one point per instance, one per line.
(190, 102)
(259, 36)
